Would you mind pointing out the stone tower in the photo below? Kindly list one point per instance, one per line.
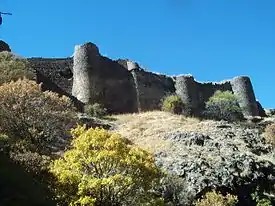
(86, 59)
(187, 90)
(243, 89)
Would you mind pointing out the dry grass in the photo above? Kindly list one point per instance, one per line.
(145, 129)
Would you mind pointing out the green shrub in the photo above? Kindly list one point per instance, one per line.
(216, 199)
(95, 110)
(103, 168)
(173, 104)
(13, 68)
(223, 106)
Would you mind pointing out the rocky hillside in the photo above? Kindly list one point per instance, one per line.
(229, 157)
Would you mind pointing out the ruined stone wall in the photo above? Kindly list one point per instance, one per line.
(55, 74)
(99, 79)
(151, 89)
(195, 94)
(56, 70)
(123, 86)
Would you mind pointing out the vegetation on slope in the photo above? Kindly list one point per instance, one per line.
(103, 169)
(13, 68)
(42, 163)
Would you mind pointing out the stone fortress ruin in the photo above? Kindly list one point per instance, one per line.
(123, 86)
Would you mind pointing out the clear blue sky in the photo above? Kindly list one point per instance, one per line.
(211, 39)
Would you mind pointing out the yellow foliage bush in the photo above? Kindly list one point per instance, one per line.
(13, 68)
(103, 169)
(216, 199)
(269, 134)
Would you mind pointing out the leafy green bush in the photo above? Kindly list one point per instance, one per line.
(13, 68)
(104, 169)
(216, 199)
(223, 106)
(173, 104)
(95, 110)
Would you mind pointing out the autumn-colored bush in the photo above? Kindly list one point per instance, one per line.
(173, 104)
(13, 68)
(216, 199)
(269, 134)
(35, 122)
(104, 169)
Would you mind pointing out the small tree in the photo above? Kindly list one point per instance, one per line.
(103, 169)
(216, 199)
(173, 104)
(223, 106)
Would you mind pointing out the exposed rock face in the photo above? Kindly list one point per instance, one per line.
(4, 46)
(226, 156)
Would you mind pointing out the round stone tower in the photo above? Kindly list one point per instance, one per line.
(187, 90)
(86, 60)
(243, 89)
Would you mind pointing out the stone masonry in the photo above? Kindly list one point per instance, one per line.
(123, 86)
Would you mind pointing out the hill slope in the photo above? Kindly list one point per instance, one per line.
(206, 154)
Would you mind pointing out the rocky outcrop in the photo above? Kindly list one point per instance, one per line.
(227, 157)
